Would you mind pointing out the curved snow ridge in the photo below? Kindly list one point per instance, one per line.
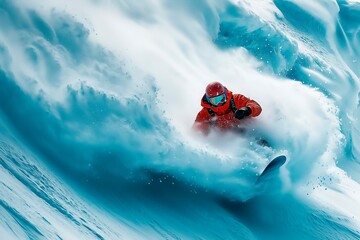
(39, 206)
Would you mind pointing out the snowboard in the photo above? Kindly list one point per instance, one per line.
(271, 170)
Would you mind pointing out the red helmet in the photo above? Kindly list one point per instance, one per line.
(215, 93)
(214, 89)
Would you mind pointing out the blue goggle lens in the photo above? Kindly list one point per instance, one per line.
(218, 99)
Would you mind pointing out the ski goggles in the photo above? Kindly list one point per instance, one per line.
(221, 99)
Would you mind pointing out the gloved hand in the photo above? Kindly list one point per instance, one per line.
(242, 112)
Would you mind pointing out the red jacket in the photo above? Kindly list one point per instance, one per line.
(224, 116)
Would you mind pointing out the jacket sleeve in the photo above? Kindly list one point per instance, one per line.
(202, 121)
(242, 101)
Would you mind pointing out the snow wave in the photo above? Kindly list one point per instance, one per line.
(113, 106)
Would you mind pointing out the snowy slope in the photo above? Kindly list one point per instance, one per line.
(97, 100)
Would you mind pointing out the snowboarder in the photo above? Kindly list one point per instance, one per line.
(223, 109)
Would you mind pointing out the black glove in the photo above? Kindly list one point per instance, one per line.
(242, 112)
